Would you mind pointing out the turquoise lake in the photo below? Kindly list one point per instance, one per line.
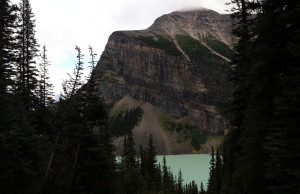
(193, 167)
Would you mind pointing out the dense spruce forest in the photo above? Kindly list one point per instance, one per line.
(262, 151)
(65, 146)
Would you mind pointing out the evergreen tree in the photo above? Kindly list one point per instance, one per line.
(91, 83)
(191, 188)
(143, 162)
(172, 182)
(202, 191)
(166, 178)
(27, 47)
(179, 183)
(45, 88)
(132, 180)
(7, 20)
(211, 185)
(72, 85)
(44, 96)
(151, 163)
(7, 47)
(218, 172)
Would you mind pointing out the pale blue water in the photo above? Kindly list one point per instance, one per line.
(193, 167)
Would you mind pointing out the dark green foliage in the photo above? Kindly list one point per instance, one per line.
(261, 153)
(198, 137)
(141, 174)
(202, 191)
(44, 92)
(194, 49)
(125, 120)
(180, 183)
(73, 84)
(215, 174)
(91, 84)
(151, 165)
(7, 47)
(84, 148)
(166, 184)
(190, 131)
(160, 42)
(211, 185)
(44, 95)
(7, 19)
(22, 151)
(191, 188)
(27, 51)
(23, 154)
(219, 47)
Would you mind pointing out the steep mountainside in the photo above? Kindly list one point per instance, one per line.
(178, 67)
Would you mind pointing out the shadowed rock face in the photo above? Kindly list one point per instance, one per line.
(138, 64)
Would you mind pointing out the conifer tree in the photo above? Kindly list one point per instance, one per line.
(202, 191)
(72, 85)
(151, 163)
(45, 88)
(166, 178)
(7, 48)
(91, 83)
(132, 180)
(211, 185)
(143, 162)
(27, 47)
(179, 183)
(218, 172)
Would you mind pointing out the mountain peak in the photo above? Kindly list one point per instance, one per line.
(194, 22)
(176, 72)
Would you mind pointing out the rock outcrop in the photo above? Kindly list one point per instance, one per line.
(159, 66)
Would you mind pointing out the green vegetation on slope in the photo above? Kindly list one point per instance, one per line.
(194, 49)
(184, 129)
(123, 119)
(161, 43)
(220, 47)
(217, 46)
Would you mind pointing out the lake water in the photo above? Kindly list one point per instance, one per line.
(193, 167)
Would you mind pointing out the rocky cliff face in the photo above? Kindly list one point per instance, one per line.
(178, 65)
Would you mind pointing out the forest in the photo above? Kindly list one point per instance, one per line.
(65, 146)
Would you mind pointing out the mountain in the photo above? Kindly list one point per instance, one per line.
(176, 71)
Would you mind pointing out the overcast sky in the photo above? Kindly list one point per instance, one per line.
(62, 24)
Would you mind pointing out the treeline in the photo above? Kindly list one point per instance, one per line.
(140, 173)
(262, 152)
(185, 131)
(124, 120)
